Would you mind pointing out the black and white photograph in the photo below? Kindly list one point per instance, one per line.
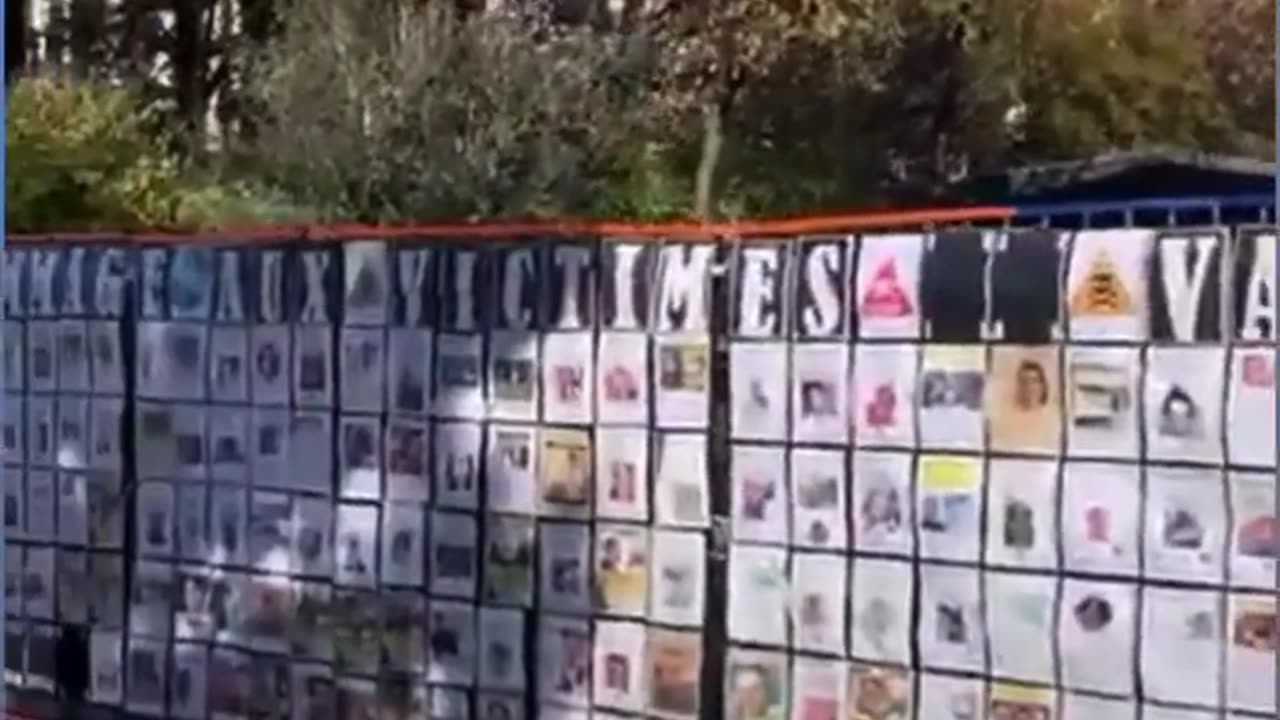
(514, 376)
(409, 370)
(364, 369)
(456, 449)
(229, 364)
(402, 544)
(459, 382)
(511, 469)
(309, 445)
(146, 677)
(500, 651)
(564, 567)
(270, 368)
(360, 457)
(270, 531)
(228, 524)
(451, 643)
(356, 545)
(154, 532)
(406, 451)
(151, 600)
(188, 677)
(312, 367)
(454, 555)
(312, 537)
(404, 631)
(228, 444)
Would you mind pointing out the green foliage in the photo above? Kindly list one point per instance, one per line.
(83, 156)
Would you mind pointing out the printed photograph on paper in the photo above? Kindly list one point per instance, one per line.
(458, 383)
(680, 482)
(675, 669)
(1019, 619)
(456, 453)
(1023, 400)
(189, 667)
(818, 586)
(880, 601)
(508, 560)
(409, 359)
(312, 540)
(501, 649)
(564, 661)
(884, 384)
(356, 626)
(761, 503)
(356, 543)
(621, 579)
(1096, 635)
(1251, 415)
(229, 364)
(453, 558)
(511, 469)
(949, 499)
(681, 382)
(310, 464)
(1254, 633)
(1255, 533)
(270, 515)
(147, 672)
(407, 473)
(404, 631)
(513, 375)
(819, 390)
(618, 665)
(818, 688)
(759, 595)
(402, 544)
(1101, 508)
(364, 369)
(313, 363)
(758, 375)
(564, 567)
(951, 633)
(882, 506)
(564, 481)
(622, 474)
(677, 578)
(360, 459)
(1010, 701)
(952, 384)
(1183, 403)
(1179, 623)
(1021, 513)
(818, 500)
(567, 374)
(756, 685)
(1186, 518)
(879, 693)
(1100, 390)
(622, 378)
(311, 632)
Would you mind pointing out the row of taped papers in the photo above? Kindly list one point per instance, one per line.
(1008, 624)
(1030, 286)
(71, 356)
(761, 684)
(526, 377)
(1166, 403)
(608, 664)
(70, 508)
(1188, 524)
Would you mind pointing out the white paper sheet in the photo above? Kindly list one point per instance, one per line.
(312, 537)
(513, 375)
(1021, 513)
(565, 567)
(818, 586)
(1251, 656)
(356, 545)
(1101, 511)
(459, 377)
(405, 448)
(1101, 395)
(106, 672)
(1181, 624)
(681, 380)
(146, 671)
(620, 680)
(622, 474)
(1255, 543)
(1020, 622)
(880, 625)
(950, 633)
(451, 643)
(1091, 707)
(454, 554)
(680, 480)
(622, 378)
(818, 499)
(621, 565)
(884, 383)
(759, 591)
(155, 518)
(364, 369)
(758, 375)
(1251, 407)
(501, 649)
(1096, 635)
(360, 458)
(818, 689)
(403, 543)
(509, 559)
(187, 689)
(564, 661)
(1183, 403)
(677, 581)
(568, 371)
(1186, 518)
(564, 472)
(313, 366)
(952, 380)
(948, 697)
(819, 389)
(410, 361)
(757, 684)
(456, 453)
(881, 505)
(948, 506)
(761, 501)
(310, 463)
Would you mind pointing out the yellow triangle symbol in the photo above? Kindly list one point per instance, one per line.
(1101, 292)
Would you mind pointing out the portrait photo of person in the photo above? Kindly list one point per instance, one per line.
(1031, 387)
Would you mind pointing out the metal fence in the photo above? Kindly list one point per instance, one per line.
(615, 470)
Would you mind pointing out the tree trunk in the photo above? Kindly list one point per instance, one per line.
(712, 141)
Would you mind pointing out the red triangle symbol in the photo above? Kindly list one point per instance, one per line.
(885, 296)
